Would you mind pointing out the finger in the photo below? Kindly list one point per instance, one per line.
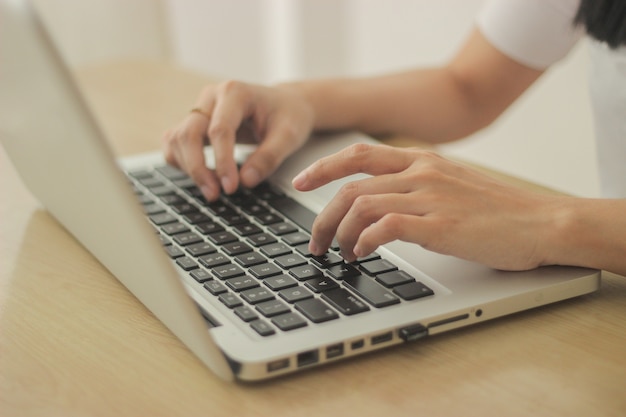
(394, 226)
(279, 143)
(231, 108)
(367, 210)
(327, 222)
(359, 158)
(190, 155)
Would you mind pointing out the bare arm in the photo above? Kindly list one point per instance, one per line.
(435, 105)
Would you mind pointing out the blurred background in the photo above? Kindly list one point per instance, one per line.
(545, 137)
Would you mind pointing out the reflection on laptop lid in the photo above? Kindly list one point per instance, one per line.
(233, 278)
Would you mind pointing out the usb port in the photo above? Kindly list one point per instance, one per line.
(334, 351)
(278, 365)
(382, 338)
(307, 358)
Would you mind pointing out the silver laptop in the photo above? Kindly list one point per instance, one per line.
(233, 279)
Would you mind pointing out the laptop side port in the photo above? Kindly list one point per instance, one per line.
(277, 365)
(382, 338)
(334, 351)
(307, 358)
(412, 332)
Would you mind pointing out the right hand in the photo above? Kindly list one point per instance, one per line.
(280, 119)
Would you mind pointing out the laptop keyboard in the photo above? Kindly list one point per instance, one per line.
(250, 250)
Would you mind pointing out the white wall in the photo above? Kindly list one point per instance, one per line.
(545, 137)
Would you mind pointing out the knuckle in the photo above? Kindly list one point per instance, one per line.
(349, 191)
(220, 130)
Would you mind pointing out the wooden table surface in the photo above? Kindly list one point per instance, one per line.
(75, 342)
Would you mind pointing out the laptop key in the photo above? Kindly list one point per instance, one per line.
(272, 308)
(289, 321)
(316, 310)
(321, 284)
(241, 283)
(342, 271)
(230, 300)
(378, 266)
(227, 271)
(265, 270)
(174, 251)
(304, 272)
(200, 248)
(245, 313)
(213, 260)
(215, 287)
(344, 301)
(187, 238)
(257, 295)
(201, 275)
(186, 263)
(413, 290)
(393, 278)
(371, 291)
(262, 327)
(250, 259)
(293, 294)
(174, 228)
(279, 282)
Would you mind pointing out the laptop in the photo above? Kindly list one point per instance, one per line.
(232, 279)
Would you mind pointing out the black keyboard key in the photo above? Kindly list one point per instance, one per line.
(327, 260)
(152, 209)
(304, 272)
(187, 238)
(282, 228)
(241, 283)
(236, 248)
(272, 308)
(304, 250)
(245, 313)
(174, 251)
(294, 211)
(344, 301)
(230, 300)
(174, 228)
(209, 228)
(184, 208)
(316, 310)
(393, 278)
(247, 229)
(213, 260)
(196, 218)
(275, 249)
(257, 295)
(164, 190)
(279, 282)
(295, 239)
(290, 260)
(199, 249)
(264, 270)
(293, 294)
(371, 291)
(250, 259)
(253, 209)
(215, 287)
(412, 290)
(378, 266)
(289, 321)
(321, 284)
(201, 275)
(343, 271)
(268, 218)
(221, 238)
(227, 271)
(262, 327)
(186, 263)
(232, 219)
(163, 218)
(261, 239)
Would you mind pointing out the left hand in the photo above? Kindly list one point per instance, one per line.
(420, 197)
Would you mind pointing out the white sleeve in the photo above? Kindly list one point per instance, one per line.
(535, 33)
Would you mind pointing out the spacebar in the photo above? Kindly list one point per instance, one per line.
(295, 212)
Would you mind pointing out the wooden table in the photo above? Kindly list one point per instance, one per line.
(74, 342)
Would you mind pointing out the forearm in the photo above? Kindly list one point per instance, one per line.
(426, 104)
(589, 233)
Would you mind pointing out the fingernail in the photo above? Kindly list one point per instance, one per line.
(227, 184)
(300, 179)
(207, 191)
(251, 177)
(313, 248)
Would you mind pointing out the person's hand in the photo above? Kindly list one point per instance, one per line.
(278, 118)
(420, 197)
